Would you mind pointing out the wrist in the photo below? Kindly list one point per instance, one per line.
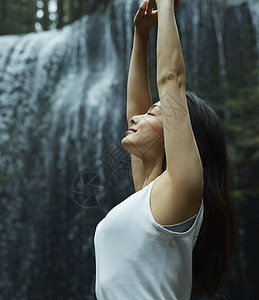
(160, 3)
(141, 34)
(163, 1)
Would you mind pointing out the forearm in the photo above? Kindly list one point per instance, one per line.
(138, 90)
(170, 63)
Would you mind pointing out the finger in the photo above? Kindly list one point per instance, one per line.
(149, 7)
(153, 20)
(152, 14)
(142, 8)
(145, 4)
(141, 12)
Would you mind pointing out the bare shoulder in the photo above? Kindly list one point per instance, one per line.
(171, 203)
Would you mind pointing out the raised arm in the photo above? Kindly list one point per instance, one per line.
(138, 90)
(139, 97)
(184, 167)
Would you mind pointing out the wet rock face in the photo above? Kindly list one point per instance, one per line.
(237, 2)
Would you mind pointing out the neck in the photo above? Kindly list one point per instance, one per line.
(153, 169)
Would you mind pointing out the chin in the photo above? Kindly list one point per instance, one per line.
(127, 145)
(124, 143)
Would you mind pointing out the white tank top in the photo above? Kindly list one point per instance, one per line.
(137, 258)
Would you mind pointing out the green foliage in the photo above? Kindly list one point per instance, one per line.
(243, 135)
(19, 17)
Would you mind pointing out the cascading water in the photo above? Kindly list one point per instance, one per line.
(62, 117)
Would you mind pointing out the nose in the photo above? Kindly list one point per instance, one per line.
(132, 120)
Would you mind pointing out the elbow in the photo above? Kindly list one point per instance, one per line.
(170, 77)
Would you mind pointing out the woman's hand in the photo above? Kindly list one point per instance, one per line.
(152, 4)
(143, 20)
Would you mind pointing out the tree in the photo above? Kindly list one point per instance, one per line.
(68, 11)
(17, 16)
(45, 22)
(60, 13)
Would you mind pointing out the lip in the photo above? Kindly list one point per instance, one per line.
(131, 130)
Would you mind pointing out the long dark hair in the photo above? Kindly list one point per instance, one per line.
(212, 254)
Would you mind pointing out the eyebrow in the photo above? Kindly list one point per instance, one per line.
(154, 105)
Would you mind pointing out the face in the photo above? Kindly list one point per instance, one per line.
(148, 140)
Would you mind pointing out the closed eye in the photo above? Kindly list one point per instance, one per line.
(150, 114)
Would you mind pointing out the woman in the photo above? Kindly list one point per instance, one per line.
(174, 237)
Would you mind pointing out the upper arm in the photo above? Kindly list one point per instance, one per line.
(182, 156)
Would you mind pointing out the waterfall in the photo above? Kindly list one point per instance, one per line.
(62, 117)
(254, 9)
